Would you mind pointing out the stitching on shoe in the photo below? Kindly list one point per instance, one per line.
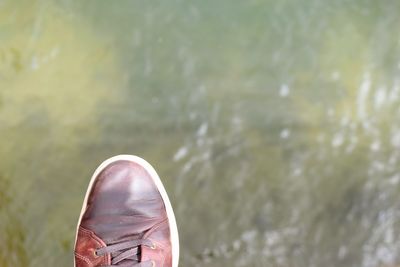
(95, 238)
(85, 259)
(156, 226)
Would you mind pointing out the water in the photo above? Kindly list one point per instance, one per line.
(274, 124)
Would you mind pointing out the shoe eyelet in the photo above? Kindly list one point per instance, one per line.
(153, 264)
(95, 253)
(153, 246)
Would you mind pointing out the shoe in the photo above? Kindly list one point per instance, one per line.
(126, 219)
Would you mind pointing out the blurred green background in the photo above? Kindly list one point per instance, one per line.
(275, 125)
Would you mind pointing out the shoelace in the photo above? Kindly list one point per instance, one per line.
(128, 250)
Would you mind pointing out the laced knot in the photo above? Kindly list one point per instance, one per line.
(127, 250)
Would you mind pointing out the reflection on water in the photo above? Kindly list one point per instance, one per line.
(275, 124)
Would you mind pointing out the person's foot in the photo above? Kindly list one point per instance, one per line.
(126, 219)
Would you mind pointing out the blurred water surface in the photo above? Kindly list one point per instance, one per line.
(274, 124)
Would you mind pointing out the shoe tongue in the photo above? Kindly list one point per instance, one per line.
(126, 263)
(117, 229)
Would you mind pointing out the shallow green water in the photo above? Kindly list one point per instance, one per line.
(274, 124)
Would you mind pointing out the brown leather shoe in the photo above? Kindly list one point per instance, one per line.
(126, 219)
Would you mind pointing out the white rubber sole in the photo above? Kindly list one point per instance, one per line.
(160, 186)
